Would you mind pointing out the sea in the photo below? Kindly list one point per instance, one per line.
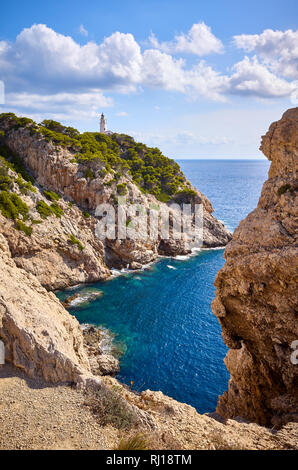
(159, 320)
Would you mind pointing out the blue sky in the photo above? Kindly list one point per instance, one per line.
(198, 79)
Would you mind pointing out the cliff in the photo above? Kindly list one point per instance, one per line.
(256, 296)
(45, 241)
(39, 335)
(81, 181)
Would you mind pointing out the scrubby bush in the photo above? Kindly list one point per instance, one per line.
(137, 442)
(25, 186)
(74, 241)
(111, 409)
(51, 195)
(23, 228)
(121, 189)
(284, 188)
(186, 195)
(5, 182)
(89, 174)
(56, 209)
(11, 205)
(43, 209)
(14, 162)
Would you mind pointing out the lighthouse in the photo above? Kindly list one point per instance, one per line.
(103, 124)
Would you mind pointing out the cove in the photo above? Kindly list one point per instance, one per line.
(161, 317)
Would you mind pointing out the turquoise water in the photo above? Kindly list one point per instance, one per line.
(162, 317)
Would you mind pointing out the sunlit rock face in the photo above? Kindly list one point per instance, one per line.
(256, 296)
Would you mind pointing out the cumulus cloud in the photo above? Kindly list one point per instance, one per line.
(252, 78)
(278, 49)
(199, 41)
(46, 70)
(60, 105)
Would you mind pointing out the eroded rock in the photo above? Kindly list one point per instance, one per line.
(256, 296)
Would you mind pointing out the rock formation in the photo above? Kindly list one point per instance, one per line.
(39, 335)
(56, 169)
(256, 296)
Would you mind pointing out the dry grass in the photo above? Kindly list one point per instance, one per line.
(137, 442)
(111, 409)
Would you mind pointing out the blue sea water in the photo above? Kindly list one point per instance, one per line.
(161, 317)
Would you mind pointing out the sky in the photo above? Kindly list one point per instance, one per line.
(198, 79)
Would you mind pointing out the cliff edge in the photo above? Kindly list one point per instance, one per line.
(256, 296)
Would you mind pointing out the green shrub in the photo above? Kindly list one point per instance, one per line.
(56, 209)
(5, 183)
(51, 195)
(14, 162)
(23, 228)
(102, 173)
(163, 197)
(25, 186)
(86, 215)
(89, 174)
(43, 209)
(74, 241)
(186, 195)
(11, 205)
(284, 188)
(121, 189)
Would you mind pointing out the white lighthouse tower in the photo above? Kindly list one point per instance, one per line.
(103, 124)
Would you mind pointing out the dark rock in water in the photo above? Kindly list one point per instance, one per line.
(84, 297)
(67, 302)
(100, 362)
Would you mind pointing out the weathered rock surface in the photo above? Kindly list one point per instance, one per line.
(54, 168)
(49, 254)
(256, 297)
(39, 335)
(101, 363)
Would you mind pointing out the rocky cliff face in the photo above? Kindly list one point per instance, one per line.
(39, 335)
(256, 296)
(55, 169)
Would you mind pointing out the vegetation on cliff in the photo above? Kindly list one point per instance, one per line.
(149, 168)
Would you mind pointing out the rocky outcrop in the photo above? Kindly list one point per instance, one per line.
(55, 168)
(39, 335)
(101, 362)
(256, 296)
(49, 253)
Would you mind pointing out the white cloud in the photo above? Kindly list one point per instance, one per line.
(54, 61)
(278, 49)
(83, 31)
(46, 70)
(252, 78)
(122, 114)
(60, 105)
(199, 41)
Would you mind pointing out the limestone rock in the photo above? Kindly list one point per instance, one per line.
(55, 169)
(40, 336)
(256, 297)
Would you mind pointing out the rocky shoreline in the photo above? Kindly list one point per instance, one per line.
(255, 302)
